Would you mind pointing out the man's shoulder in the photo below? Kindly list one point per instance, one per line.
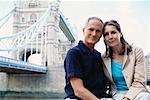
(75, 50)
(97, 52)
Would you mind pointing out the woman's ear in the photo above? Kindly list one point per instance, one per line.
(121, 34)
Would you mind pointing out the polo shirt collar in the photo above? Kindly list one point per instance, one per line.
(84, 48)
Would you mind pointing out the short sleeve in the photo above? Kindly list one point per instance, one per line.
(73, 64)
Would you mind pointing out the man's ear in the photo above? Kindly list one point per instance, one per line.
(83, 29)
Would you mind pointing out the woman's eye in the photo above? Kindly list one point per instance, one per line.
(105, 34)
(113, 32)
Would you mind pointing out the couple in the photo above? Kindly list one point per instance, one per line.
(118, 75)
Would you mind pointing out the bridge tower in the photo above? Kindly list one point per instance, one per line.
(54, 47)
(29, 12)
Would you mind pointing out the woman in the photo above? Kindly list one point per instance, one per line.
(124, 65)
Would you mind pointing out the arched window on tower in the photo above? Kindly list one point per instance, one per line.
(33, 3)
(23, 19)
(33, 18)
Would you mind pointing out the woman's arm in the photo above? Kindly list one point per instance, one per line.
(138, 81)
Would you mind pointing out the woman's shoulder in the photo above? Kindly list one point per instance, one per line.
(137, 51)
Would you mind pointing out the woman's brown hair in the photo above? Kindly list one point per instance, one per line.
(126, 45)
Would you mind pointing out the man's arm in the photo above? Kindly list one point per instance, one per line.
(80, 91)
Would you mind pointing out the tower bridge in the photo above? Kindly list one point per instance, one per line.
(33, 66)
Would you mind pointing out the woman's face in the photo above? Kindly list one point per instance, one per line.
(112, 36)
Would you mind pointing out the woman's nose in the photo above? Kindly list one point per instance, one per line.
(110, 35)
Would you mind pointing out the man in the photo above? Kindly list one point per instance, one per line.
(85, 78)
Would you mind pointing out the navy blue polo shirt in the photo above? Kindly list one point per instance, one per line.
(85, 64)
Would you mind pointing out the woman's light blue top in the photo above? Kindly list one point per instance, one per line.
(118, 76)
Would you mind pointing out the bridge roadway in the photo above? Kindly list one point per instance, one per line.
(30, 96)
(15, 66)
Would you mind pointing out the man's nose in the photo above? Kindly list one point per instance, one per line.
(94, 32)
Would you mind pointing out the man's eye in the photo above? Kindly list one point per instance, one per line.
(98, 31)
(91, 29)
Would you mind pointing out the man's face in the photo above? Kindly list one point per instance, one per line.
(92, 32)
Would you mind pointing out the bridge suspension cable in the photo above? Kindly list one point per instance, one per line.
(5, 18)
(21, 39)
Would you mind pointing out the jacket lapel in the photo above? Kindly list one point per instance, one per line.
(124, 61)
(107, 62)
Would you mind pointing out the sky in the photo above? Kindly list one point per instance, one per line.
(133, 16)
(5, 7)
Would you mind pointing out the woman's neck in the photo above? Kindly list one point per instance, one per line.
(118, 50)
